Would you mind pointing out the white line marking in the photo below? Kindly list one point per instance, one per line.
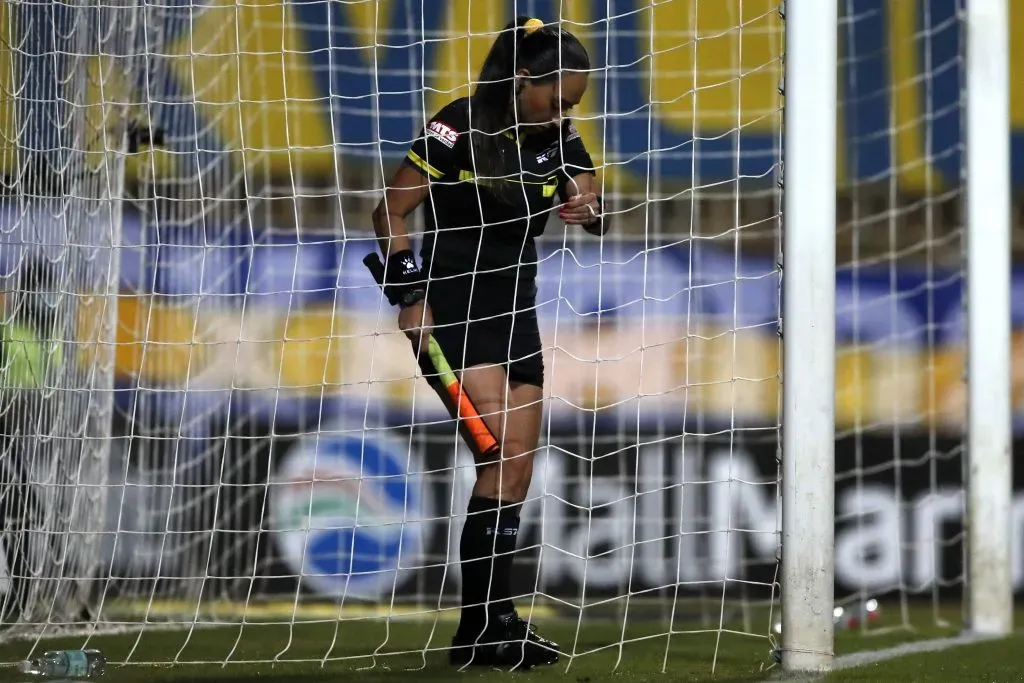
(857, 659)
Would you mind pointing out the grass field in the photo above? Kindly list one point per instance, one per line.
(413, 650)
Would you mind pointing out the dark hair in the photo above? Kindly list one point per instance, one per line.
(544, 52)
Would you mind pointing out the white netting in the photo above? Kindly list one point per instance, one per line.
(274, 457)
(246, 252)
(66, 77)
(901, 402)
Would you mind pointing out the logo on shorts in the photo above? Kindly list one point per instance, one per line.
(345, 515)
(443, 132)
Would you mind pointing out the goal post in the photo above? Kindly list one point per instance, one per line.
(63, 128)
(808, 334)
(989, 468)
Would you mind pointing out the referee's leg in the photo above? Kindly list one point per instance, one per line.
(513, 412)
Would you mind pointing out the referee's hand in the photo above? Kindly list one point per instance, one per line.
(581, 209)
(416, 321)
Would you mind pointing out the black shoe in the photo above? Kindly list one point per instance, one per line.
(508, 642)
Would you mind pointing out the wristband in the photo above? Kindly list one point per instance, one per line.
(402, 278)
(411, 297)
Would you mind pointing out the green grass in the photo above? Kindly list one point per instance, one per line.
(992, 661)
(413, 650)
(405, 651)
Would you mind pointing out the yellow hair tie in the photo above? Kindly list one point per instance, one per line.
(532, 25)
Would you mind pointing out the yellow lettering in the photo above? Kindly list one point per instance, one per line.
(588, 117)
(367, 19)
(472, 27)
(715, 65)
(1017, 369)
(1016, 60)
(943, 390)
(854, 370)
(250, 68)
(757, 368)
(309, 351)
(154, 342)
(842, 170)
(8, 108)
(914, 171)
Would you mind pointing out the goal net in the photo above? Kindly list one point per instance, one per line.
(66, 70)
(232, 430)
(900, 316)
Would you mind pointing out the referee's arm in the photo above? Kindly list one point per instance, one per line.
(404, 193)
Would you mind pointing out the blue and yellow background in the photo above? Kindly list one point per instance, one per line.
(292, 84)
(301, 80)
(679, 97)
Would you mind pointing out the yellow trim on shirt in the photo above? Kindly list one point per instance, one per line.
(423, 165)
(550, 185)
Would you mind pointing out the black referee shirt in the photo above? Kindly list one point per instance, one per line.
(469, 227)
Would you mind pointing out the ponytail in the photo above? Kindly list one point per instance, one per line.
(525, 43)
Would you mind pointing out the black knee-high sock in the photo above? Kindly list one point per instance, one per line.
(504, 554)
(475, 549)
(486, 551)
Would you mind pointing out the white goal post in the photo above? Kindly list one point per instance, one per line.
(755, 422)
(809, 308)
(990, 424)
(808, 334)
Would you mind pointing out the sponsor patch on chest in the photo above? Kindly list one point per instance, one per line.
(548, 154)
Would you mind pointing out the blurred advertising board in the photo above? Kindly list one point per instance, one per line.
(364, 513)
(652, 334)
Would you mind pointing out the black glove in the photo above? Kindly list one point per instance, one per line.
(402, 281)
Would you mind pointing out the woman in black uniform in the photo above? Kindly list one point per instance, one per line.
(487, 168)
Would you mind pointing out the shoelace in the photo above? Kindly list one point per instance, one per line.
(527, 629)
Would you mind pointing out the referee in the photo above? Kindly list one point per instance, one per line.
(486, 169)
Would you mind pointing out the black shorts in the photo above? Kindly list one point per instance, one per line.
(487, 319)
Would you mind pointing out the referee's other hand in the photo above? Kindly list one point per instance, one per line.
(416, 321)
(581, 209)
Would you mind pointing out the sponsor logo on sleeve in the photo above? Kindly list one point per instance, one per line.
(443, 132)
(571, 133)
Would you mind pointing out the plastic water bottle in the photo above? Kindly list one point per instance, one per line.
(75, 663)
